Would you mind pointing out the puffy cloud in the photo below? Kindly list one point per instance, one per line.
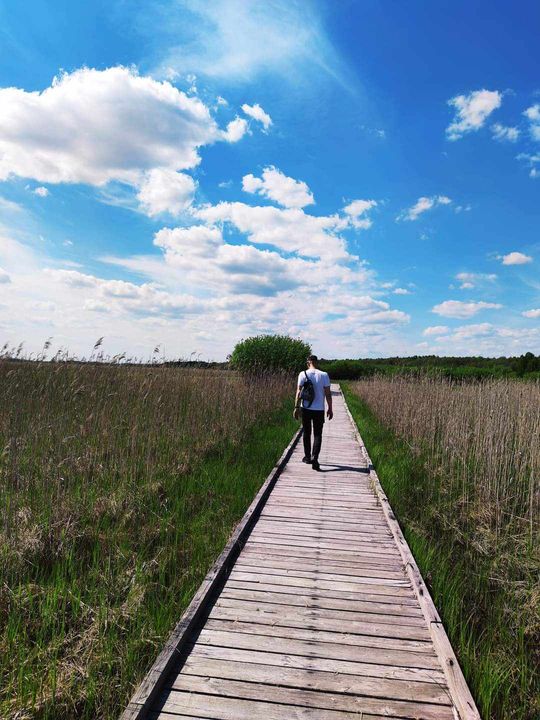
(505, 133)
(236, 130)
(436, 330)
(534, 313)
(164, 190)
(460, 309)
(422, 205)
(257, 113)
(515, 258)
(289, 229)
(472, 331)
(94, 126)
(197, 241)
(41, 191)
(470, 280)
(533, 115)
(472, 111)
(279, 187)
(4, 277)
(355, 211)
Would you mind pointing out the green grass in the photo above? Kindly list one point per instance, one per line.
(108, 529)
(495, 659)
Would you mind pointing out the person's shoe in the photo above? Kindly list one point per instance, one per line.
(306, 460)
(315, 465)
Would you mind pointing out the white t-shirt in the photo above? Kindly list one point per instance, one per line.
(320, 380)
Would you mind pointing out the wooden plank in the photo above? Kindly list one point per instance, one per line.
(319, 534)
(225, 708)
(311, 619)
(209, 661)
(311, 699)
(386, 586)
(336, 637)
(275, 594)
(312, 648)
(320, 556)
(313, 661)
(408, 624)
(307, 569)
(344, 595)
(152, 683)
(270, 557)
(319, 573)
(344, 547)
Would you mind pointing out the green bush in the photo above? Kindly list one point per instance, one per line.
(270, 353)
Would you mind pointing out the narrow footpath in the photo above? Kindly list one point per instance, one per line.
(324, 614)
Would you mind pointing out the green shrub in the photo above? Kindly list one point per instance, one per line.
(273, 353)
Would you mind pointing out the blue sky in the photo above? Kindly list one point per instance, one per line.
(365, 175)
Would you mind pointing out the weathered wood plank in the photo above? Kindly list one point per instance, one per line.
(312, 699)
(311, 619)
(340, 636)
(275, 594)
(312, 648)
(204, 661)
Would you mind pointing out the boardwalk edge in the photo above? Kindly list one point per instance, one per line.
(459, 690)
(153, 682)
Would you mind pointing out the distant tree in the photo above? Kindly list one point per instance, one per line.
(273, 353)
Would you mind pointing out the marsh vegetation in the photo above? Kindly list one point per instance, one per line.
(120, 485)
(461, 465)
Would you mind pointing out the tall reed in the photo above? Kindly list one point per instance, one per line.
(477, 500)
(119, 486)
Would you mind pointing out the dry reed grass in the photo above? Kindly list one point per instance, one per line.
(109, 510)
(479, 444)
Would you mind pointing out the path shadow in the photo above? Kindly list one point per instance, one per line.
(326, 467)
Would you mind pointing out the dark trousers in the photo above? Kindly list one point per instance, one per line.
(315, 419)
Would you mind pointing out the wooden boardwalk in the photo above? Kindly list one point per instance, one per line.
(323, 614)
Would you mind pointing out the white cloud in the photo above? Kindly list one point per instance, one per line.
(470, 280)
(505, 133)
(472, 331)
(41, 191)
(275, 185)
(401, 291)
(356, 210)
(515, 258)
(534, 313)
(94, 126)
(460, 309)
(238, 40)
(4, 277)
(472, 111)
(533, 115)
(257, 113)
(289, 229)
(532, 161)
(235, 130)
(163, 190)
(436, 330)
(422, 205)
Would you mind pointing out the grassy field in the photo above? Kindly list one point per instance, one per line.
(120, 485)
(461, 466)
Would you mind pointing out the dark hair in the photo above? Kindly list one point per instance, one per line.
(313, 358)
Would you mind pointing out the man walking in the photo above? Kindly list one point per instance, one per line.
(313, 388)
